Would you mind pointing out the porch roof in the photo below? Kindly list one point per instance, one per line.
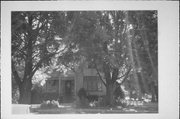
(56, 75)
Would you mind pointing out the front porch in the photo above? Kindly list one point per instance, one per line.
(61, 89)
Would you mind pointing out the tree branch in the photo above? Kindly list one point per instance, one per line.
(99, 74)
(37, 66)
(23, 53)
(126, 75)
(69, 67)
(115, 73)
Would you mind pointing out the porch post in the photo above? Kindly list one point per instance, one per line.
(59, 91)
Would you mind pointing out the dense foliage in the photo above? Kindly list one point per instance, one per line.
(122, 45)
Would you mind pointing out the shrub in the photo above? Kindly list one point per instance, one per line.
(15, 95)
(102, 101)
(119, 93)
(96, 101)
(49, 104)
(50, 96)
(36, 97)
(83, 101)
(82, 93)
(92, 98)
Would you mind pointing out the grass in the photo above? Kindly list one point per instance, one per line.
(70, 109)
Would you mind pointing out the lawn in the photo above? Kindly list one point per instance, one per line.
(69, 108)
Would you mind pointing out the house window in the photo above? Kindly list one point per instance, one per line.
(91, 66)
(52, 85)
(92, 83)
(53, 82)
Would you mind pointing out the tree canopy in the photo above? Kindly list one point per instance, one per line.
(122, 45)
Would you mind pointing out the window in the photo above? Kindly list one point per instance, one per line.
(99, 86)
(53, 82)
(52, 85)
(92, 83)
(91, 66)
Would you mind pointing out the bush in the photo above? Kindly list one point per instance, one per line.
(119, 93)
(92, 98)
(83, 101)
(98, 102)
(82, 93)
(50, 96)
(102, 101)
(49, 104)
(15, 95)
(36, 97)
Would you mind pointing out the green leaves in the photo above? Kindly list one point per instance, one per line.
(67, 37)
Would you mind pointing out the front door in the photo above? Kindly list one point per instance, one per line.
(69, 87)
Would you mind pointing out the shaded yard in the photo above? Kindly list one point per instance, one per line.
(69, 108)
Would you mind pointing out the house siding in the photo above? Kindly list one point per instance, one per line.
(78, 78)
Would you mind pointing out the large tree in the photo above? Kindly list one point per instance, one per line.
(112, 42)
(34, 42)
(101, 39)
(145, 49)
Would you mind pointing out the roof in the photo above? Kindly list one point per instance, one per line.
(57, 74)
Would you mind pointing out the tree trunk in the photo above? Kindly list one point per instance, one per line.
(109, 85)
(25, 96)
(144, 35)
(25, 92)
(25, 87)
(109, 95)
(154, 92)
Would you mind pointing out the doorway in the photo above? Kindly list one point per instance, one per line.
(68, 90)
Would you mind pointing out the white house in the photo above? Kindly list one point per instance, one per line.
(67, 85)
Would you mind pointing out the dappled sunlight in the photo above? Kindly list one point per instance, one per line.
(40, 78)
(85, 61)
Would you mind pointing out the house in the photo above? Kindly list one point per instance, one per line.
(66, 85)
